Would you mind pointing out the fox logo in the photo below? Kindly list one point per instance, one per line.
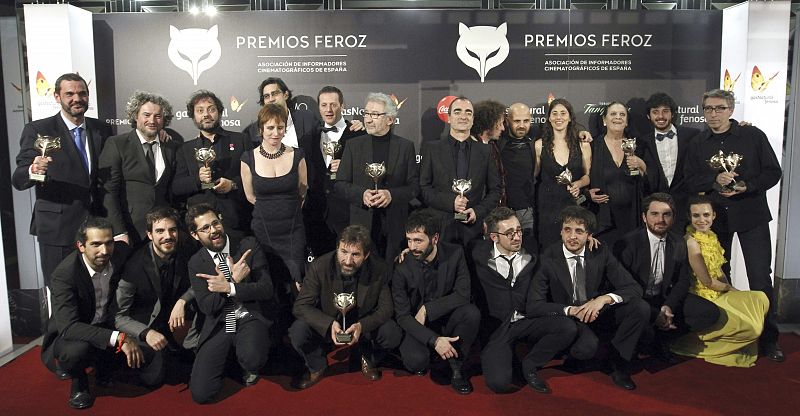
(482, 47)
(194, 50)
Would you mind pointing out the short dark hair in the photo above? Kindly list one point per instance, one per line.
(580, 215)
(459, 98)
(331, 89)
(486, 113)
(424, 220)
(199, 95)
(69, 76)
(699, 199)
(272, 112)
(496, 215)
(273, 80)
(161, 213)
(195, 211)
(658, 197)
(91, 221)
(661, 99)
(356, 235)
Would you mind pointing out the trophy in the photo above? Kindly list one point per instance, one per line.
(331, 149)
(344, 302)
(375, 171)
(205, 155)
(565, 178)
(724, 163)
(44, 144)
(460, 186)
(629, 148)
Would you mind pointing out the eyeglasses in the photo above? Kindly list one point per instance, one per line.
(273, 94)
(717, 109)
(206, 229)
(510, 234)
(374, 115)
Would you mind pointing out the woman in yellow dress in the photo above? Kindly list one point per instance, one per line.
(733, 340)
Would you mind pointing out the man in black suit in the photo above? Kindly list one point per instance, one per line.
(71, 189)
(431, 291)
(666, 145)
(657, 259)
(153, 294)
(193, 180)
(136, 168)
(459, 156)
(275, 91)
(594, 289)
(505, 265)
(381, 207)
(740, 197)
(350, 270)
(231, 281)
(80, 332)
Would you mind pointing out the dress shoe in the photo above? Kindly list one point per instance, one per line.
(623, 380)
(62, 374)
(81, 400)
(460, 383)
(536, 383)
(773, 352)
(420, 373)
(308, 379)
(249, 378)
(371, 373)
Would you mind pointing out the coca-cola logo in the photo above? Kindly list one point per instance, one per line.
(443, 108)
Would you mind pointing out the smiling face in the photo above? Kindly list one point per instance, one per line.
(330, 109)
(150, 120)
(98, 248)
(73, 96)
(616, 119)
(461, 116)
(164, 236)
(702, 216)
(658, 218)
(559, 117)
(210, 232)
(660, 117)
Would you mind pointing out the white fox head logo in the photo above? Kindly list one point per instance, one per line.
(194, 50)
(476, 45)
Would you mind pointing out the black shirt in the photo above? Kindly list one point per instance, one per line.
(517, 155)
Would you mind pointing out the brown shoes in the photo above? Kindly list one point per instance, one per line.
(308, 379)
(371, 373)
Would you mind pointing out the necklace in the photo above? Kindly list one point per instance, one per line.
(275, 155)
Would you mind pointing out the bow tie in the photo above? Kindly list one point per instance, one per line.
(668, 135)
(329, 129)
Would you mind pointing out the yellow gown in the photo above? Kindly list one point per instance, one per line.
(733, 340)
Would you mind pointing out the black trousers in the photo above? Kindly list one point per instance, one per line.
(251, 342)
(313, 347)
(694, 314)
(52, 256)
(463, 323)
(756, 249)
(548, 335)
(75, 356)
(622, 323)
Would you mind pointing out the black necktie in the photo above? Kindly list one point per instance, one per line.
(510, 276)
(580, 281)
(329, 129)
(668, 135)
(230, 306)
(150, 156)
(462, 165)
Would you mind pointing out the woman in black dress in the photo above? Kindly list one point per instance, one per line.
(557, 150)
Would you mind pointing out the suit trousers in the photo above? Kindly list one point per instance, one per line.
(52, 256)
(313, 347)
(463, 323)
(75, 356)
(756, 249)
(548, 335)
(695, 314)
(622, 323)
(251, 342)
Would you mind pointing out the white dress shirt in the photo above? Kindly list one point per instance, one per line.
(290, 138)
(668, 153)
(519, 260)
(157, 157)
(656, 269)
(332, 136)
(572, 263)
(227, 252)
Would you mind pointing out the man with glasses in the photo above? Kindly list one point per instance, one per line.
(275, 91)
(740, 197)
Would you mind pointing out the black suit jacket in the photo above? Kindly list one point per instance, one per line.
(551, 290)
(401, 179)
(314, 304)
(304, 123)
(186, 186)
(69, 193)
(657, 181)
(130, 186)
(633, 252)
(408, 290)
(252, 291)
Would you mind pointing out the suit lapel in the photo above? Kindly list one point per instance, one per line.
(669, 253)
(645, 259)
(137, 151)
(563, 274)
(392, 164)
(447, 158)
(152, 273)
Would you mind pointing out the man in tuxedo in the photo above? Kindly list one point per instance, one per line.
(666, 145)
(594, 289)
(231, 281)
(380, 206)
(350, 270)
(431, 291)
(740, 197)
(71, 189)
(136, 168)
(153, 294)
(192, 178)
(657, 259)
(274, 90)
(487, 127)
(80, 332)
(505, 268)
(459, 156)
(519, 159)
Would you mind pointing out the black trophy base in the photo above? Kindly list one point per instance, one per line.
(344, 338)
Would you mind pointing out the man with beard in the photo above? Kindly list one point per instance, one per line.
(382, 207)
(487, 128)
(153, 293)
(301, 122)
(71, 190)
(349, 272)
(136, 168)
(459, 157)
(231, 281)
(193, 180)
(519, 159)
(431, 291)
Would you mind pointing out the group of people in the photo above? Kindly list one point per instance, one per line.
(329, 230)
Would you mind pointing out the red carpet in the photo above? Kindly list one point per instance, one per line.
(689, 388)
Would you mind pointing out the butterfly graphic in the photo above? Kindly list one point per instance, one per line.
(396, 103)
(550, 98)
(236, 105)
(758, 82)
(43, 87)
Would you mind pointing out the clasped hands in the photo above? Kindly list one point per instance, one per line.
(377, 199)
(354, 329)
(589, 311)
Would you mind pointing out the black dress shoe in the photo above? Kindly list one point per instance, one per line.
(62, 374)
(369, 372)
(623, 380)
(773, 352)
(420, 373)
(460, 383)
(249, 378)
(81, 400)
(536, 383)
(308, 379)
